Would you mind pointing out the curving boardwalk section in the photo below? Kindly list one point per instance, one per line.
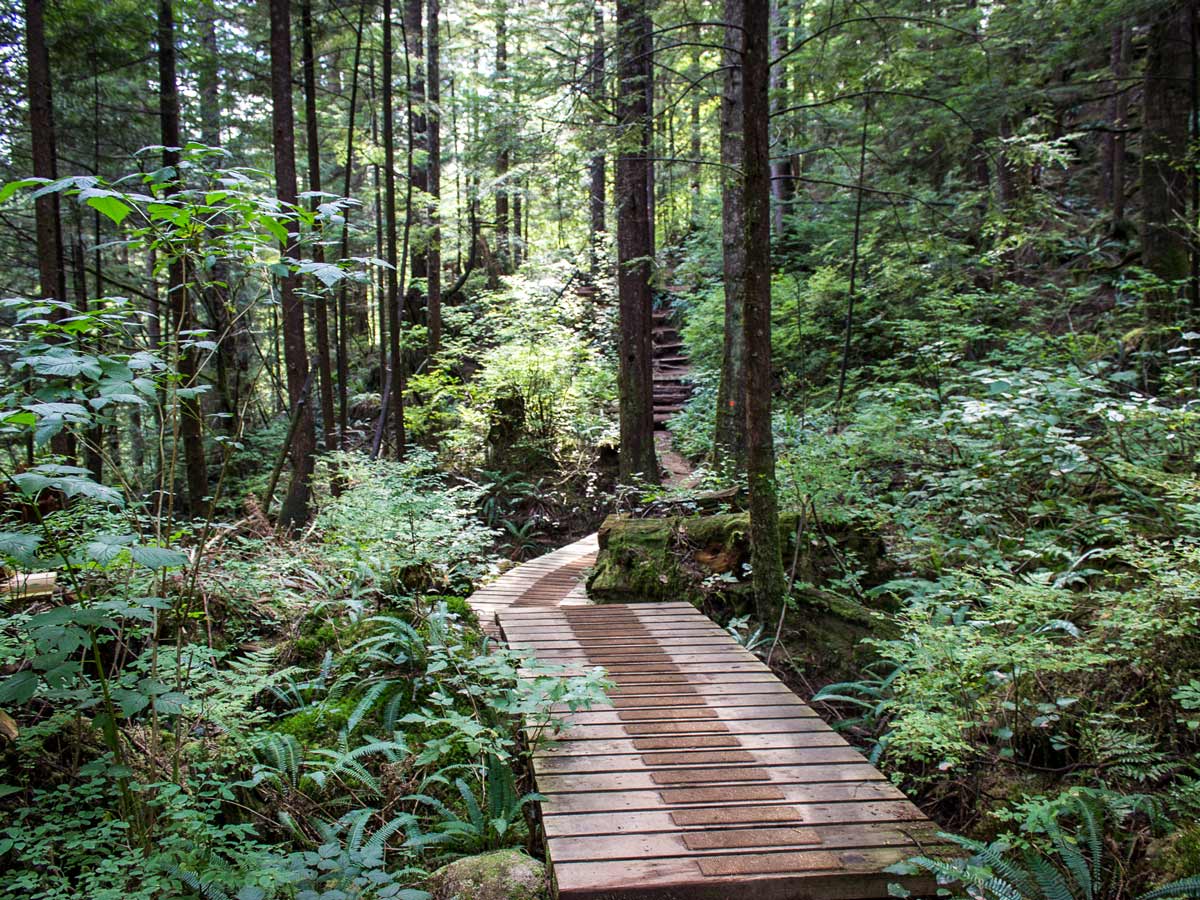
(708, 778)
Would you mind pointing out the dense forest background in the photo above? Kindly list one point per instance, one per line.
(320, 313)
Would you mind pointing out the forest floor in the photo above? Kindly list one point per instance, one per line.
(677, 471)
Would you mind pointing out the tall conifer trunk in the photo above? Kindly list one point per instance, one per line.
(1167, 106)
(433, 92)
(765, 549)
(191, 430)
(295, 505)
(634, 248)
(597, 165)
(313, 147)
(729, 439)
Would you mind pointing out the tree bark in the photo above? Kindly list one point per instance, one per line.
(52, 277)
(389, 190)
(502, 155)
(597, 165)
(648, 131)
(433, 91)
(343, 350)
(765, 546)
(321, 301)
(415, 60)
(191, 430)
(729, 438)
(1118, 113)
(51, 274)
(781, 183)
(634, 248)
(294, 511)
(1167, 105)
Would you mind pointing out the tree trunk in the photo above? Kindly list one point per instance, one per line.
(434, 125)
(1164, 151)
(503, 243)
(765, 546)
(415, 60)
(597, 165)
(191, 431)
(52, 278)
(51, 274)
(343, 350)
(389, 190)
(695, 148)
(208, 75)
(321, 301)
(1118, 114)
(781, 182)
(729, 438)
(294, 511)
(648, 131)
(634, 250)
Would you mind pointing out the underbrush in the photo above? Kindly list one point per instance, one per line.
(258, 717)
(1035, 664)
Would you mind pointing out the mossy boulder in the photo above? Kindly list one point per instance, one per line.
(503, 875)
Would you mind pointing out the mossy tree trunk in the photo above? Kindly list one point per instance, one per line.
(634, 246)
(1164, 150)
(729, 439)
(765, 548)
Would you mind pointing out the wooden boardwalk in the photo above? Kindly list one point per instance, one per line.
(707, 779)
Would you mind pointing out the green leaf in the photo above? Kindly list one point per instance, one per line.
(104, 548)
(19, 688)
(112, 207)
(157, 557)
(13, 186)
(19, 545)
(275, 227)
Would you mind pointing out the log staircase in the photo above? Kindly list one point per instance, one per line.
(671, 387)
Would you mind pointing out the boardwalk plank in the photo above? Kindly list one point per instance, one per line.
(705, 778)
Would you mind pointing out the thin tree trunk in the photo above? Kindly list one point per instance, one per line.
(634, 248)
(434, 129)
(343, 355)
(648, 131)
(765, 547)
(52, 279)
(597, 164)
(230, 335)
(313, 146)
(392, 371)
(191, 430)
(51, 273)
(694, 145)
(93, 440)
(503, 243)
(1118, 112)
(848, 328)
(294, 511)
(781, 182)
(729, 437)
(399, 372)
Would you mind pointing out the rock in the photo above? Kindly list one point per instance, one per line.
(502, 875)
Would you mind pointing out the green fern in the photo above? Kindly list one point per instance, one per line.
(1071, 865)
